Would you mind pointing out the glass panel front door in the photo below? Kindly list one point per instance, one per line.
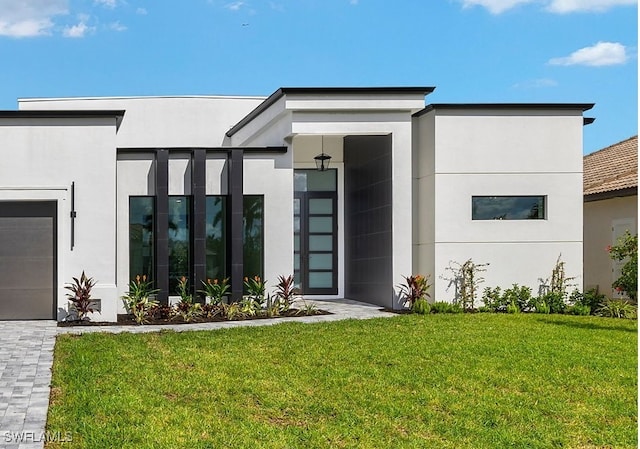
(315, 233)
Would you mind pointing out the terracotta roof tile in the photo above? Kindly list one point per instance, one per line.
(612, 168)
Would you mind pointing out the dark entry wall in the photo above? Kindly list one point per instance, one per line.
(368, 212)
(27, 260)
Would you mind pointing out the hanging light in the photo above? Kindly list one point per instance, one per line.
(323, 159)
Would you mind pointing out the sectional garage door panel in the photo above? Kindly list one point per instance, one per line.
(27, 260)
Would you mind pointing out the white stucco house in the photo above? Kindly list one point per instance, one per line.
(213, 186)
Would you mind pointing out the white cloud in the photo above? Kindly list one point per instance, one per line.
(117, 26)
(141, 11)
(353, 2)
(538, 83)
(77, 31)
(28, 18)
(235, 6)
(600, 54)
(106, 3)
(567, 6)
(554, 6)
(495, 6)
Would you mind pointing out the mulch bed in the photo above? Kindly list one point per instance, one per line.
(127, 320)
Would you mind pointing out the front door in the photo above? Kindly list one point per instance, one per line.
(315, 222)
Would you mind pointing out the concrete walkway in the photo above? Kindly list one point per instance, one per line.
(26, 358)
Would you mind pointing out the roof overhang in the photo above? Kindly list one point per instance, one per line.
(506, 106)
(65, 114)
(330, 99)
(630, 191)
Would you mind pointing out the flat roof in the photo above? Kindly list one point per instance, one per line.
(562, 106)
(75, 113)
(425, 90)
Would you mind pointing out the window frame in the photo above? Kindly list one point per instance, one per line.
(544, 201)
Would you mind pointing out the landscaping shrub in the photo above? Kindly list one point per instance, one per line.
(579, 309)
(618, 308)
(415, 289)
(626, 248)
(467, 280)
(591, 298)
(80, 296)
(139, 300)
(446, 307)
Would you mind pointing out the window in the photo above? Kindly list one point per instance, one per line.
(508, 207)
(253, 220)
(141, 239)
(216, 241)
(179, 241)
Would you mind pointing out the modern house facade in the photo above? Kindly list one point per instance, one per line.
(610, 210)
(211, 187)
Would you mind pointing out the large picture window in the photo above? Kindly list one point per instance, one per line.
(216, 240)
(142, 242)
(179, 240)
(508, 207)
(141, 239)
(253, 220)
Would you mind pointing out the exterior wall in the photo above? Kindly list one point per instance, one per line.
(493, 153)
(163, 121)
(46, 156)
(599, 220)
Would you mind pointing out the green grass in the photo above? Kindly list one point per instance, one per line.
(437, 381)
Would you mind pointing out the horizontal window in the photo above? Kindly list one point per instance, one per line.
(508, 207)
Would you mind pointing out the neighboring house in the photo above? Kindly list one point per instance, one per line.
(209, 187)
(610, 209)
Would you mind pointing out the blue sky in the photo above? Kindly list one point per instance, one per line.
(471, 50)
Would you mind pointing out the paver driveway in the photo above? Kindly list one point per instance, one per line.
(26, 357)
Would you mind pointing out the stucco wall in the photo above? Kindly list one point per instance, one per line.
(599, 220)
(42, 158)
(163, 121)
(500, 152)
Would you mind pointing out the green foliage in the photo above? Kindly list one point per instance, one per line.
(520, 296)
(493, 299)
(415, 288)
(138, 301)
(285, 293)
(555, 302)
(80, 296)
(579, 309)
(467, 280)
(186, 308)
(255, 289)
(591, 298)
(446, 307)
(421, 306)
(517, 296)
(618, 308)
(541, 306)
(513, 308)
(231, 311)
(626, 249)
(216, 290)
(306, 308)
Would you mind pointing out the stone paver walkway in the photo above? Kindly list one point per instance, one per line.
(26, 358)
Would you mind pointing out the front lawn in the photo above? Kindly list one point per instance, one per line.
(435, 381)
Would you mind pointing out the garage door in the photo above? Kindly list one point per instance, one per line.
(27, 260)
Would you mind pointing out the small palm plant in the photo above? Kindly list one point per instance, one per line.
(139, 300)
(415, 293)
(80, 296)
(216, 290)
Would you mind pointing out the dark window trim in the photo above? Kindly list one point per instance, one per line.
(544, 206)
